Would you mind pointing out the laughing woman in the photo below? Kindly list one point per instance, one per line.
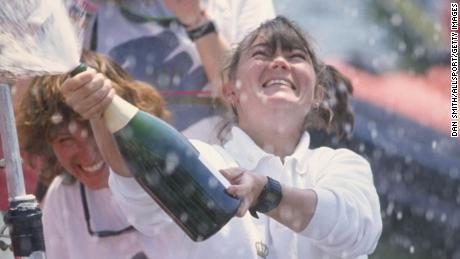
(312, 203)
(80, 217)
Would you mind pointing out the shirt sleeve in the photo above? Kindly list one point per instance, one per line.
(248, 15)
(347, 221)
(139, 208)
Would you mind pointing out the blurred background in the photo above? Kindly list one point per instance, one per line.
(397, 54)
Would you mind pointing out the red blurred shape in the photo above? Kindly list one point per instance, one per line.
(421, 98)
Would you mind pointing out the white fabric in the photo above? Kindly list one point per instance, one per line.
(64, 225)
(346, 223)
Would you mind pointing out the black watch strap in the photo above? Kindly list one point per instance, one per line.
(202, 31)
(269, 198)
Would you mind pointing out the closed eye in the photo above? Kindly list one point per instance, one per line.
(259, 53)
(64, 140)
(299, 55)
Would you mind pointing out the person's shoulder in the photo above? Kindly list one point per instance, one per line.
(59, 189)
(327, 155)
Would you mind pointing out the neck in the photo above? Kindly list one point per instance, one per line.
(280, 141)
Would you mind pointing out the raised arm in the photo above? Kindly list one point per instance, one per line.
(90, 94)
(211, 47)
(340, 212)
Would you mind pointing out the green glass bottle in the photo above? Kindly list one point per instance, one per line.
(170, 170)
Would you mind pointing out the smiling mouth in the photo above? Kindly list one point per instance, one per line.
(279, 83)
(93, 168)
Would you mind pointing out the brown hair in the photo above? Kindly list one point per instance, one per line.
(334, 113)
(43, 110)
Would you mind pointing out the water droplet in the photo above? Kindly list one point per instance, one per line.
(176, 79)
(56, 118)
(130, 62)
(399, 215)
(164, 80)
(149, 69)
(396, 20)
(402, 46)
(73, 127)
(172, 161)
(84, 133)
(238, 84)
(443, 217)
(183, 217)
(212, 182)
(210, 204)
(429, 215)
(419, 51)
(374, 133)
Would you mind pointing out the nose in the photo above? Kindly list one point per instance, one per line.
(280, 62)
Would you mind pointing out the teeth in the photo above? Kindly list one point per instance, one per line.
(94, 167)
(278, 82)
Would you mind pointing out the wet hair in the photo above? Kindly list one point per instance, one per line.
(43, 110)
(334, 112)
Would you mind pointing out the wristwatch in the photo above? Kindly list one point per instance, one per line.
(269, 198)
(202, 31)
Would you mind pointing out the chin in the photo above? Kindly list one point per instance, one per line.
(96, 186)
(97, 183)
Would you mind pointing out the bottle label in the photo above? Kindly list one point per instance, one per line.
(119, 113)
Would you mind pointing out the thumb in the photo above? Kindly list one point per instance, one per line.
(231, 174)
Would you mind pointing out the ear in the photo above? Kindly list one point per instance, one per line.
(229, 94)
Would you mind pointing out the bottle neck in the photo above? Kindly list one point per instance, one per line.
(119, 113)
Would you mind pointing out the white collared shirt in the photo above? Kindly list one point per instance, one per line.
(346, 223)
(65, 227)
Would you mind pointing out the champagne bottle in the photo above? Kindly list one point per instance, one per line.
(171, 170)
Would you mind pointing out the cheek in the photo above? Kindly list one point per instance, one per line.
(63, 156)
(307, 76)
(250, 72)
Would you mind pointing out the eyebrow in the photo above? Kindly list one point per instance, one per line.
(260, 45)
(269, 46)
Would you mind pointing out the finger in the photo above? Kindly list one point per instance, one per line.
(88, 95)
(237, 190)
(74, 83)
(231, 174)
(244, 207)
(97, 110)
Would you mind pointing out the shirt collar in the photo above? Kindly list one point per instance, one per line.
(248, 154)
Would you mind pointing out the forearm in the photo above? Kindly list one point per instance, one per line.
(296, 208)
(109, 148)
(213, 49)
